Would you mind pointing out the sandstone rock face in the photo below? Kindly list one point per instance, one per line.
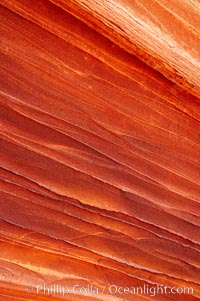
(100, 150)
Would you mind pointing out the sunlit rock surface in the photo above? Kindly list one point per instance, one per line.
(100, 149)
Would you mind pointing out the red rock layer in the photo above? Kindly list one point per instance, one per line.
(99, 152)
(164, 34)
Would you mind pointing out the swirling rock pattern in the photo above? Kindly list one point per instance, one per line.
(99, 151)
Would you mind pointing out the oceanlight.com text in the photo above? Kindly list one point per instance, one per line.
(113, 289)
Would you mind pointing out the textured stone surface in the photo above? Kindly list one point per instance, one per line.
(100, 170)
